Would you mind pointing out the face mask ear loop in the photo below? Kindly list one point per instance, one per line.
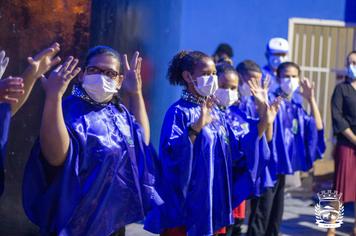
(193, 81)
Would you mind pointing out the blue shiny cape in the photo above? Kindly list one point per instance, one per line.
(293, 127)
(105, 182)
(196, 180)
(255, 149)
(5, 117)
(269, 176)
(302, 142)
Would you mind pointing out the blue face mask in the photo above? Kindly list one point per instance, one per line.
(274, 61)
(351, 72)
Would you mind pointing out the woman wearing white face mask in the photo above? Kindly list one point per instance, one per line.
(297, 141)
(99, 84)
(88, 174)
(344, 124)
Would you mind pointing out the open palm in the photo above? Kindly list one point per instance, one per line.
(59, 79)
(42, 62)
(308, 88)
(259, 92)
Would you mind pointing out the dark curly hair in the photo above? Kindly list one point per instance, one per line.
(183, 61)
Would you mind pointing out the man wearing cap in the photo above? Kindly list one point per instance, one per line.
(276, 53)
(277, 50)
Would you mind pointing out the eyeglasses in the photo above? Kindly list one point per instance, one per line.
(96, 70)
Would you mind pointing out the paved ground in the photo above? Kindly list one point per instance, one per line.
(298, 219)
(299, 212)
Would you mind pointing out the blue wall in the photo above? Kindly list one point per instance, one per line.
(245, 24)
(166, 22)
(248, 24)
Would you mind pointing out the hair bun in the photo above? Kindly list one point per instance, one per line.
(182, 54)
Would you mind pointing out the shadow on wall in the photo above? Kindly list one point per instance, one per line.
(153, 28)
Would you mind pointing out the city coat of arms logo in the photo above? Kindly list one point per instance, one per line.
(329, 211)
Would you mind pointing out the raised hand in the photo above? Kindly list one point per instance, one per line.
(58, 80)
(205, 117)
(259, 92)
(132, 74)
(42, 62)
(11, 89)
(272, 110)
(266, 85)
(308, 88)
(4, 61)
(308, 93)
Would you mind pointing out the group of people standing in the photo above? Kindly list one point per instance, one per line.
(234, 135)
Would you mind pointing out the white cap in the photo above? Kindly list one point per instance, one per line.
(277, 45)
